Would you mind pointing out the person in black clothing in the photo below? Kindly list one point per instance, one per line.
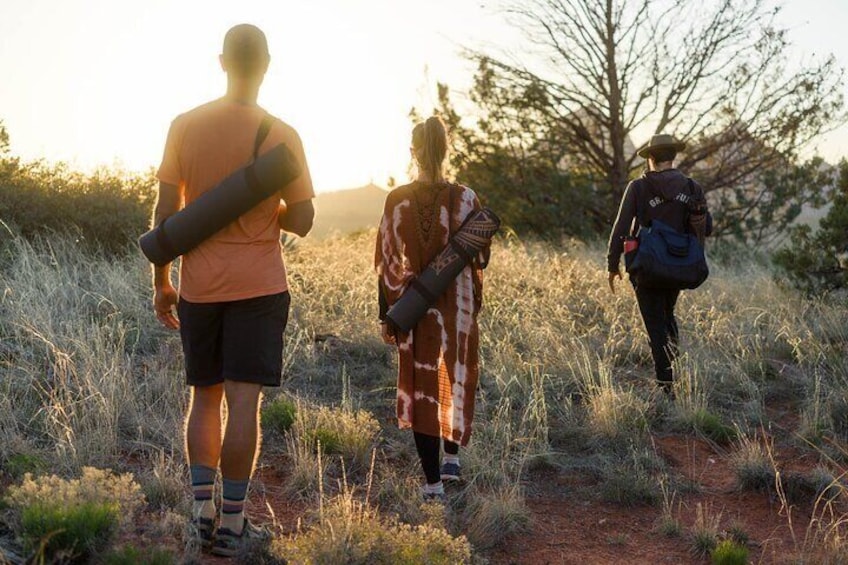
(662, 193)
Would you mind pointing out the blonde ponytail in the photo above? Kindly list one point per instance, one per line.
(430, 145)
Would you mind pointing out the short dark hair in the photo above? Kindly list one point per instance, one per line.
(663, 155)
(245, 50)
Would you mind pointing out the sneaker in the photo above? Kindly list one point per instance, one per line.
(201, 531)
(450, 472)
(228, 543)
(667, 388)
(433, 497)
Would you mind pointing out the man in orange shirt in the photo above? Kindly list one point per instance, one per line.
(233, 295)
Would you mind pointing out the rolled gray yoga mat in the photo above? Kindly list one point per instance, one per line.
(475, 234)
(220, 205)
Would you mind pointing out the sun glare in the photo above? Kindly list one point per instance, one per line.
(344, 75)
(99, 82)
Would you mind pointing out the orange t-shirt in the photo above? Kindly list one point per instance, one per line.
(204, 146)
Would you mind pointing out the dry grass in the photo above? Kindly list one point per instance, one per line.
(89, 379)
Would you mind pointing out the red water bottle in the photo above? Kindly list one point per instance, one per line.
(630, 244)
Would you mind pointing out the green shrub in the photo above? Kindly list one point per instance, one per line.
(79, 531)
(106, 209)
(814, 261)
(729, 553)
(712, 427)
(279, 415)
(752, 465)
(340, 431)
(73, 518)
(20, 464)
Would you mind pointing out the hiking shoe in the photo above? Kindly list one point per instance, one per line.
(228, 543)
(450, 472)
(434, 497)
(201, 531)
(667, 388)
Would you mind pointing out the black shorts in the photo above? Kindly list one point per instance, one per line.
(240, 340)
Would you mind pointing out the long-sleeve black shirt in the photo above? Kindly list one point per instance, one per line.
(662, 195)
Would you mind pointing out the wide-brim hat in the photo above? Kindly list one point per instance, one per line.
(661, 141)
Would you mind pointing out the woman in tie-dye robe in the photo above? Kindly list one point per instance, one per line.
(437, 359)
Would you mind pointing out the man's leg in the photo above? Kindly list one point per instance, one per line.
(203, 445)
(671, 324)
(238, 454)
(652, 306)
(252, 358)
(200, 332)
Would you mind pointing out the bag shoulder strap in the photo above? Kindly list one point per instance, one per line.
(639, 188)
(262, 133)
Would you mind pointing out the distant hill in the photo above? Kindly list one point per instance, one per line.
(346, 211)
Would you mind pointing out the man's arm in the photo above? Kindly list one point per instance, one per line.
(620, 229)
(296, 218)
(164, 295)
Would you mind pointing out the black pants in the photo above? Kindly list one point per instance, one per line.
(428, 452)
(657, 308)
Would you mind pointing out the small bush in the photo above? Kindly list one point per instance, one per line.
(78, 531)
(354, 533)
(729, 553)
(615, 414)
(633, 480)
(349, 433)
(279, 415)
(20, 464)
(105, 209)
(705, 531)
(807, 487)
(752, 465)
(73, 517)
(737, 534)
(709, 424)
(494, 517)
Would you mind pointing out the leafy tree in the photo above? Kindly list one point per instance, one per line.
(816, 261)
(713, 73)
(106, 209)
(520, 179)
(4, 139)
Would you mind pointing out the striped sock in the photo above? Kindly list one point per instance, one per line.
(232, 509)
(202, 486)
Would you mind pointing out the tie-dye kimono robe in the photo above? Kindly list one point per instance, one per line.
(438, 359)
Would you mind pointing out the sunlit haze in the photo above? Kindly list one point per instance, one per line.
(97, 81)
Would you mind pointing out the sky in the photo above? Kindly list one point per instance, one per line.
(97, 82)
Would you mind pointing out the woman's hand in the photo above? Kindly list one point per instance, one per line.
(387, 334)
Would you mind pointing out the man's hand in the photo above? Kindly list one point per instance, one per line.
(164, 301)
(612, 277)
(387, 334)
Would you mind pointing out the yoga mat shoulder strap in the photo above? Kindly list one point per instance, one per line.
(262, 133)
